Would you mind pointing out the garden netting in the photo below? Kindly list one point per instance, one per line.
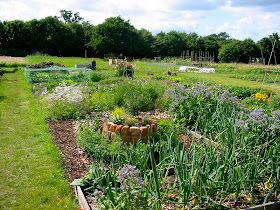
(57, 73)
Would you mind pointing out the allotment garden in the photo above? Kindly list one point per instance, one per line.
(145, 136)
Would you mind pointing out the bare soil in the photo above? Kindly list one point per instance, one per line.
(76, 162)
(9, 59)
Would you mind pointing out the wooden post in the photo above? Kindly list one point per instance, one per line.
(263, 60)
(275, 60)
(85, 53)
(271, 52)
(192, 55)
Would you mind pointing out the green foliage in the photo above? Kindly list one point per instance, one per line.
(243, 92)
(118, 111)
(169, 44)
(118, 116)
(191, 106)
(125, 69)
(141, 96)
(10, 65)
(50, 75)
(69, 35)
(115, 35)
(166, 127)
(248, 48)
(60, 110)
(274, 102)
(97, 76)
(134, 96)
(117, 119)
(98, 178)
(102, 101)
(131, 121)
(146, 40)
(48, 35)
(229, 52)
(116, 152)
(93, 143)
(200, 169)
(70, 17)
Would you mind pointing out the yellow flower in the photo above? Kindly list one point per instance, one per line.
(261, 96)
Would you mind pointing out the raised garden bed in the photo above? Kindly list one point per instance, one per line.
(80, 195)
(84, 204)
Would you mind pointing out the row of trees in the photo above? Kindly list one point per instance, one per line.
(69, 35)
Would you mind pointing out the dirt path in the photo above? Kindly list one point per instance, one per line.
(9, 59)
(75, 161)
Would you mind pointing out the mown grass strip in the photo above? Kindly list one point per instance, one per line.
(30, 167)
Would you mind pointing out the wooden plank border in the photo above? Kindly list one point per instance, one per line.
(80, 195)
(81, 198)
(266, 206)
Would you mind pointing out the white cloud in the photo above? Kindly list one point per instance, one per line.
(254, 22)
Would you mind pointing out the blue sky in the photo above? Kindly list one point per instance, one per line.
(240, 18)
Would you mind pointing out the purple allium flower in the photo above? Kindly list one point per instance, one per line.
(169, 93)
(198, 89)
(180, 87)
(274, 127)
(246, 111)
(208, 93)
(234, 99)
(128, 176)
(276, 116)
(225, 95)
(258, 116)
(98, 193)
(240, 124)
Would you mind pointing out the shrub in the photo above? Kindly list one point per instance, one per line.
(102, 101)
(60, 110)
(139, 96)
(10, 65)
(115, 152)
(274, 102)
(199, 107)
(135, 96)
(112, 80)
(244, 92)
(96, 146)
(125, 69)
(97, 76)
(229, 53)
(131, 121)
(118, 116)
(118, 111)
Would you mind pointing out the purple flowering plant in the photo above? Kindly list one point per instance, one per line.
(197, 106)
(129, 177)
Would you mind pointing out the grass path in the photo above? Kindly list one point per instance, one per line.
(224, 79)
(30, 168)
(160, 69)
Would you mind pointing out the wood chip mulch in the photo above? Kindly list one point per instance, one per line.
(76, 163)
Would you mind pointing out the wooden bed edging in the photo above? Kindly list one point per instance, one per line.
(85, 206)
(80, 195)
(266, 206)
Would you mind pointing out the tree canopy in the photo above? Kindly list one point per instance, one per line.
(70, 35)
